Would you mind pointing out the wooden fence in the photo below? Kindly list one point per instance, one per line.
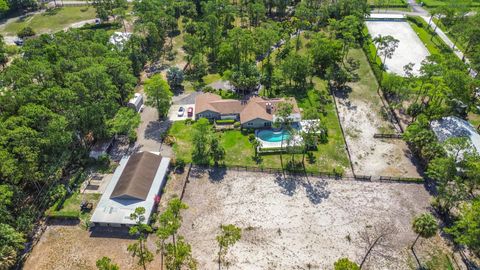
(387, 136)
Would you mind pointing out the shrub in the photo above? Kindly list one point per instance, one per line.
(26, 32)
(208, 89)
(169, 140)
(225, 121)
(179, 164)
(236, 124)
(338, 171)
(251, 137)
(132, 136)
(188, 121)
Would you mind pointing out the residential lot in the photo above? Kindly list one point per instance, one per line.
(360, 111)
(410, 48)
(295, 222)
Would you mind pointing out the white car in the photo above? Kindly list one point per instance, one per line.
(181, 112)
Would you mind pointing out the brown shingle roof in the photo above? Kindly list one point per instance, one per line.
(214, 103)
(257, 108)
(202, 102)
(137, 176)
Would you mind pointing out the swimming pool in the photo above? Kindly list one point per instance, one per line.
(273, 136)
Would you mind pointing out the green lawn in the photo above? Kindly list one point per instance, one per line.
(474, 119)
(436, 3)
(51, 22)
(435, 44)
(210, 78)
(71, 206)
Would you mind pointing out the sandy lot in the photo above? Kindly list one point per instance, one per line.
(410, 48)
(370, 156)
(298, 223)
(73, 248)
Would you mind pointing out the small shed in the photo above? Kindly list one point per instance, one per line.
(136, 102)
(100, 148)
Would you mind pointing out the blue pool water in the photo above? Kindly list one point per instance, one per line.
(273, 136)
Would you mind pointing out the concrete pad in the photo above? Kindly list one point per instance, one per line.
(410, 48)
(173, 112)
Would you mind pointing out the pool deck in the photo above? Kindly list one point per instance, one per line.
(296, 141)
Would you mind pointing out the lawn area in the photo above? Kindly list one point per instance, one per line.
(434, 45)
(474, 119)
(210, 78)
(51, 21)
(70, 208)
(436, 3)
(239, 151)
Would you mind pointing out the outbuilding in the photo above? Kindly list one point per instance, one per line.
(137, 182)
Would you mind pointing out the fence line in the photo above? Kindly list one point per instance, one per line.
(387, 136)
(329, 175)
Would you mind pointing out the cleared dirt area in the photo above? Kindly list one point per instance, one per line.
(73, 248)
(360, 112)
(410, 48)
(298, 223)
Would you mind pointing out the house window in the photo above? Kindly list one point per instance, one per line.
(250, 124)
(267, 124)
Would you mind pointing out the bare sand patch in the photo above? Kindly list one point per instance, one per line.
(74, 248)
(297, 223)
(370, 156)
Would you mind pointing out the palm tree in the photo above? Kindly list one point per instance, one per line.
(425, 225)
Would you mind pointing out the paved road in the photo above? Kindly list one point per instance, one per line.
(418, 10)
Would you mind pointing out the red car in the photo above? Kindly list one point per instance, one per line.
(190, 112)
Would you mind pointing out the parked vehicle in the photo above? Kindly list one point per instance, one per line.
(181, 111)
(190, 112)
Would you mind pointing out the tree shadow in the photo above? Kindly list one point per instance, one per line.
(152, 131)
(155, 129)
(110, 232)
(287, 183)
(316, 192)
(217, 174)
(343, 92)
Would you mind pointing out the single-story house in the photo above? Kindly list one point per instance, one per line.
(136, 182)
(257, 112)
(454, 127)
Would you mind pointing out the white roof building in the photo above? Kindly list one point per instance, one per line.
(454, 127)
(136, 183)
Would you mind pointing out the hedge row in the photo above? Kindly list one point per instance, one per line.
(371, 53)
(405, 5)
(225, 121)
